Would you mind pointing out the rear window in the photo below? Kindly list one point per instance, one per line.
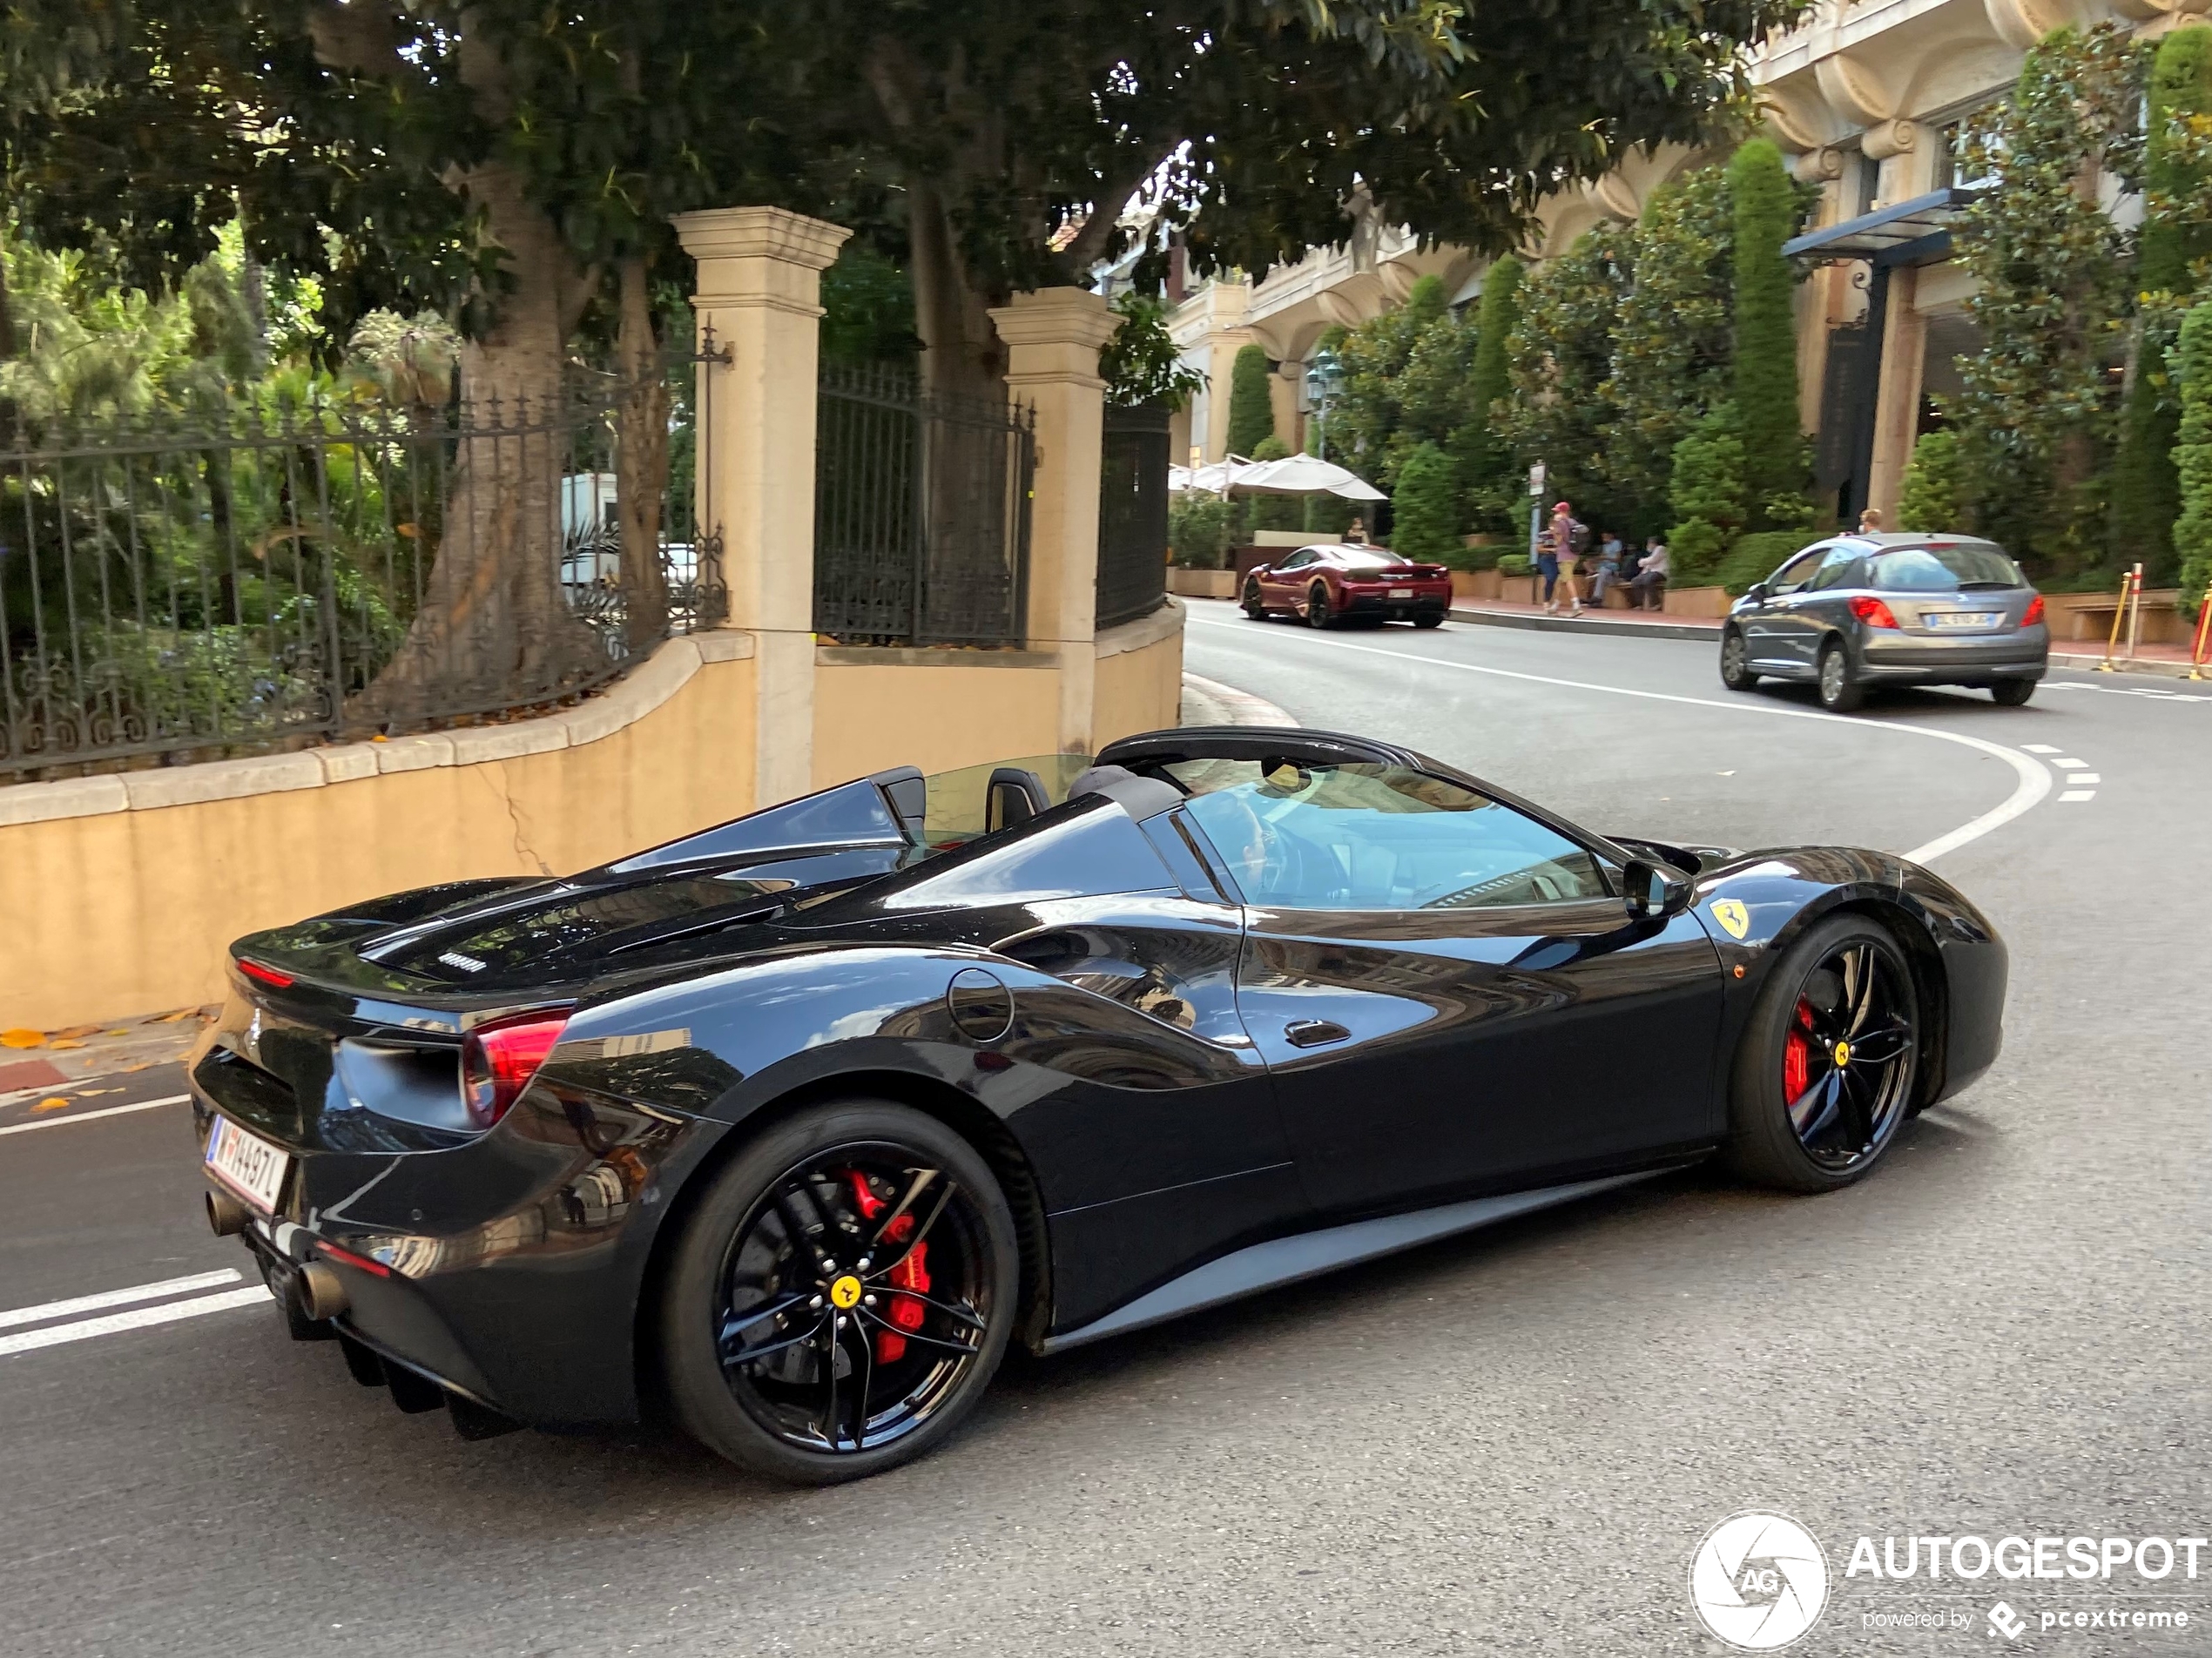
(1939, 570)
(1354, 558)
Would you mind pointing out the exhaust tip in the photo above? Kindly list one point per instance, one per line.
(226, 1216)
(322, 1295)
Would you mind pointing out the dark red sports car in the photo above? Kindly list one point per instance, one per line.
(1331, 582)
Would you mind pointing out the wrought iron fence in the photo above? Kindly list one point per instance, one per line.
(921, 514)
(1133, 514)
(282, 577)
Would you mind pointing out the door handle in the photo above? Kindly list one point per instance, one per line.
(1314, 1033)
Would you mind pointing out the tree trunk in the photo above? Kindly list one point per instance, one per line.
(641, 462)
(495, 629)
(961, 353)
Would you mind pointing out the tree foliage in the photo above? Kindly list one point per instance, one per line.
(1425, 506)
(1776, 462)
(1251, 406)
(2036, 415)
(2193, 454)
(1405, 383)
(1139, 364)
(1489, 481)
(1564, 413)
(1707, 496)
(1928, 502)
(2173, 248)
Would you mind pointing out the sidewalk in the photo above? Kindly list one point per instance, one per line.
(38, 1061)
(2068, 655)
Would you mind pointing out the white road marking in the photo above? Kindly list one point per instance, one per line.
(86, 1116)
(2034, 781)
(2125, 691)
(2076, 794)
(2079, 778)
(44, 1311)
(2071, 766)
(136, 1319)
(2038, 748)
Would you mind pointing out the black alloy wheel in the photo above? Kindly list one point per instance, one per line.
(1826, 1071)
(1736, 662)
(1840, 691)
(2012, 693)
(1254, 607)
(842, 1295)
(1317, 606)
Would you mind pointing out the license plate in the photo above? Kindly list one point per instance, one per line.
(1402, 592)
(1959, 620)
(247, 1164)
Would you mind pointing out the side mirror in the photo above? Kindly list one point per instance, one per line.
(1757, 590)
(1653, 892)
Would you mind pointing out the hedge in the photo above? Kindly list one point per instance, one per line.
(1757, 557)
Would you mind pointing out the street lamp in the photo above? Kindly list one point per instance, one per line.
(1323, 383)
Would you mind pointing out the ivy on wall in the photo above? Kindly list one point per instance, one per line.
(2037, 415)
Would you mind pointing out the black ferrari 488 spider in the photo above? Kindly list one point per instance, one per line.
(789, 1128)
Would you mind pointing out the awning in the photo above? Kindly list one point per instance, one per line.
(1296, 474)
(1904, 233)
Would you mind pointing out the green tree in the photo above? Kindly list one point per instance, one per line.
(1493, 490)
(1928, 502)
(2036, 415)
(1139, 364)
(2173, 239)
(1672, 342)
(868, 310)
(1275, 512)
(1379, 358)
(2193, 454)
(1425, 507)
(1707, 496)
(1766, 214)
(1562, 412)
(1252, 410)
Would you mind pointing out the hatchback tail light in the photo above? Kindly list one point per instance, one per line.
(498, 1060)
(1873, 612)
(2034, 612)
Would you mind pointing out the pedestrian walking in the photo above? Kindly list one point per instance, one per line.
(1553, 547)
(1608, 568)
(1646, 592)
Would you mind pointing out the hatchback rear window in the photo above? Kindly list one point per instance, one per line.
(1939, 570)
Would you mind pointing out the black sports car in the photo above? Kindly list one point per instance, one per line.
(790, 1126)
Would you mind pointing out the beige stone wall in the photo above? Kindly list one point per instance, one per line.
(125, 911)
(875, 709)
(1139, 683)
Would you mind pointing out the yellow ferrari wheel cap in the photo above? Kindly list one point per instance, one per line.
(844, 1292)
(1733, 917)
(1843, 1053)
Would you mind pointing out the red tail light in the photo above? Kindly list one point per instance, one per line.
(1873, 612)
(497, 1061)
(2034, 612)
(261, 974)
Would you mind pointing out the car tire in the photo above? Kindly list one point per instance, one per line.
(740, 1218)
(1736, 662)
(1254, 606)
(2012, 693)
(1428, 621)
(1317, 607)
(1840, 691)
(1764, 1145)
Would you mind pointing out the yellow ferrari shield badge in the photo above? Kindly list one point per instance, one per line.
(1732, 916)
(844, 1293)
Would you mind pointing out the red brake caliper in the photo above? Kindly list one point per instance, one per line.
(1797, 1054)
(911, 1273)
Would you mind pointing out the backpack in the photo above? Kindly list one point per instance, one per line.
(1578, 538)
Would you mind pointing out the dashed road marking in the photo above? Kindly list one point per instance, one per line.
(76, 1304)
(2065, 795)
(136, 1319)
(2071, 766)
(2080, 778)
(2038, 748)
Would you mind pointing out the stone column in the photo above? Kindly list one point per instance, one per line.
(760, 289)
(1896, 399)
(1053, 336)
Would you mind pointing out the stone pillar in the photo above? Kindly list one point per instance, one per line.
(1897, 401)
(1281, 396)
(1052, 338)
(760, 289)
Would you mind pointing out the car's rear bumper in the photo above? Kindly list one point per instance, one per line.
(1912, 659)
(1390, 609)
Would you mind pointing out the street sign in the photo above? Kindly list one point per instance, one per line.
(1536, 479)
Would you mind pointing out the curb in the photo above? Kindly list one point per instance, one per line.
(1207, 702)
(1589, 624)
(2150, 665)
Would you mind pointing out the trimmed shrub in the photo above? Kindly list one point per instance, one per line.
(1329, 515)
(1252, 411)
(2193, 455)
(1757, 557)
(1491, 490)
(1514, 564)
(1707, 496)
(1766, 333)
(1200, 529)
(1425, 522)
(1928, 502)
(1276, 512)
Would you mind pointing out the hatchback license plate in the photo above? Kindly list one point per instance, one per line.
(247, 1164)
(1960, 621)
(1402, 592)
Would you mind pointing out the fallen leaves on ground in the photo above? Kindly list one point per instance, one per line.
(171, 1018)
(65, 1041)
(20, 1038)
(54, 1105)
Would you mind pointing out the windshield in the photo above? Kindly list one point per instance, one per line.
(1939, 569)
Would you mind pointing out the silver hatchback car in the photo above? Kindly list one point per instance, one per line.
(1858, 612)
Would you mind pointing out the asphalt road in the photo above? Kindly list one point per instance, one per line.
(1507, 1443)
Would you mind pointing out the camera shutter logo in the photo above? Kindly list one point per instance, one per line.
(1758, 1582)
